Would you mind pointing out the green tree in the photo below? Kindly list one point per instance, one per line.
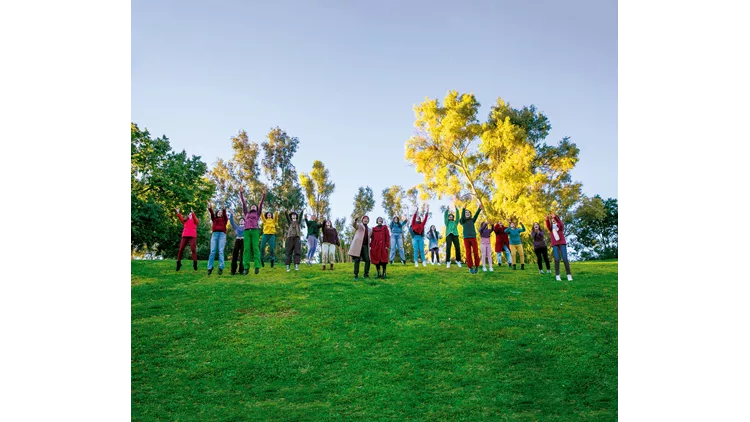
(285, 193)
(364, 202)
(593, 229)
(241, 172)
(318, 188)
(160, 180)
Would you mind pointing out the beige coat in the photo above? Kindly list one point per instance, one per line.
(356, 248)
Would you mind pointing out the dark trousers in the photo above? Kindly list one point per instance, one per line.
(293, 248)
(184, 242)
(239, 248)
(541, 253)
(452, 239)
(434, 255)
(364, 255)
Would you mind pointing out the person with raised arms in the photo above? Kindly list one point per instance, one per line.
(189, 233)
(397, 238)
(239, 244)
(502, 243)
(292, 244)
(433, 236)
(470, 238)
(485, 230)
(559, 246)
(451, 238)
(252, 232)
(540, 247)
(218, 237)
(417, 236)
(269, 237)
(313, 227)
(330, 239)
(516, 248)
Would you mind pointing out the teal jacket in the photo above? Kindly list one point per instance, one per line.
(451, 227)
(515, 234)
(470, 232)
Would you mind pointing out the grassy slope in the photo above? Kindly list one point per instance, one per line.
(426, 344)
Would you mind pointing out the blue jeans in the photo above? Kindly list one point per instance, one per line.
(312, 246)
(417, 242)
(397, 241)
(561, 252)
(218, 241)
(500, 255)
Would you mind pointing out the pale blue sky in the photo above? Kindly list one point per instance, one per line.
(343, 77)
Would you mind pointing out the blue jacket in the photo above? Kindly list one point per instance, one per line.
(239, 230)
(398, 228)
(433, 239)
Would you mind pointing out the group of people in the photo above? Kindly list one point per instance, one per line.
(377, 244)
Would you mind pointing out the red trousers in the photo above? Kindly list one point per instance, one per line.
(472, 251)
(183, 242)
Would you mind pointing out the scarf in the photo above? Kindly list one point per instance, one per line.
(554, 231)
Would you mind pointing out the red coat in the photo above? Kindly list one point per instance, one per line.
(418, 228)
(501, 238)
(190, 226)
(560, 233)
(218, 221)
(380, 241)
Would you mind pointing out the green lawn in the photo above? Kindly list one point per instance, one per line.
(425, 344)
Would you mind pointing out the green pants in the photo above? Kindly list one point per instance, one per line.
(270, 240)
(252, 248)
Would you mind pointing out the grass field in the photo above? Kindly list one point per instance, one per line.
(425, 344)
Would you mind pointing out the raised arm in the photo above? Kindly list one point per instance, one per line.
(244, 206)
(547, 223)
(211, 210)
(426, 215)
(262, 199)
(463, 211)
(523, 228)
(476, 214)
(445, 217)
(195, 217)
(559, 223)
(231, 221)
(414, 218)
(179, 216)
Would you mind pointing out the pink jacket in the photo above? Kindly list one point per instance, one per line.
(190, 226)
(560, 233)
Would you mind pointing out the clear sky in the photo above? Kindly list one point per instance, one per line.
(343, 76)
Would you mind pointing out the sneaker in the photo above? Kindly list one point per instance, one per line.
(287, 268)
(324, 267)
(448, 265)
(459, 264)
(492, 270)
(416, 265)
(356, 278)
(557, 277)
(424, 263)
(403, 261)
(210, 270)
(296, 267)
(390, 262)
(484, 269)
(570, 277)
(257, 270)
(221, 270)
(541, 272)
(246, 272)
(549, 272)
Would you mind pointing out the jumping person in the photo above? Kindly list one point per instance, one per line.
(516, 248)
(189, 233)
(239, 244)
(313, 227)
(360, 247)
(417, 236)
(252, 233)
(330, 241)
(433, 236)
(269, 237)
(559, 248)
(397, 238)
(540, 247)
(501, 244)
(451, 238)
(218, 237)
(485, 230)
(292, 244)
(470, 239)
(381, 242)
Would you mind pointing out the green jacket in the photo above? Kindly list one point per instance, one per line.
(470, 232)
(313, 227)
(451, 227)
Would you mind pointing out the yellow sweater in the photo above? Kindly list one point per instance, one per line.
(269, 224)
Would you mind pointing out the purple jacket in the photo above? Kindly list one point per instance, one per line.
(538, 239)
(252, 217)
(485, 231)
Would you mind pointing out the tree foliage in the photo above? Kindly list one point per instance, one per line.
(318, 188)
(364, 202)
(285, 193)
(593, 228)
(160, 180)
(393, 201)
(502, 163)
(241, 172)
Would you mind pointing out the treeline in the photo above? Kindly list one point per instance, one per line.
(503, 163)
